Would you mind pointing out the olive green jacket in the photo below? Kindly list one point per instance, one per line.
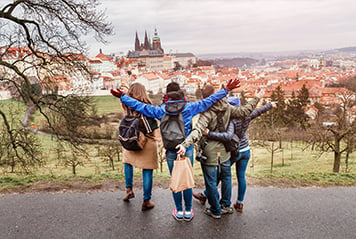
(208, 119)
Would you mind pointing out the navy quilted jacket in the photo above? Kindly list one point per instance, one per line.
(239, 126)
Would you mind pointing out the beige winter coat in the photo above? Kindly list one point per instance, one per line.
(147, 158)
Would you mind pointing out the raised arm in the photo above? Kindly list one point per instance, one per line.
(244, 111)
(204, 104)
(261, 110)
(148, 110)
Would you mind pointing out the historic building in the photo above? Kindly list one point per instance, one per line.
(151, 55)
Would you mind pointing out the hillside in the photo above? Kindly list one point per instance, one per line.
(234, 62)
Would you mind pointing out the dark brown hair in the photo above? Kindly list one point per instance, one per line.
(207, 90)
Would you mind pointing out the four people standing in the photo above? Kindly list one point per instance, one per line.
(173, 99)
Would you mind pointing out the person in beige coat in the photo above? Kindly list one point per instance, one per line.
(145, 159)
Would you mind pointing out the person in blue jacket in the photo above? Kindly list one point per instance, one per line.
(174, 98)
(238, 127)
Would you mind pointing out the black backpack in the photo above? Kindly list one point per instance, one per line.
(230, 146)
(172, 125)
(130, 135)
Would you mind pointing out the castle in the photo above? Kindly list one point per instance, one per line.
(150, 54)
(155, 46)
(147, 48)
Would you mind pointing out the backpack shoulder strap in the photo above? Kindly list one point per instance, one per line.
(220, 121)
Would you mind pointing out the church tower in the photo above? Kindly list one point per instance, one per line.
(156, 42)
(146, 44)
(137, 43)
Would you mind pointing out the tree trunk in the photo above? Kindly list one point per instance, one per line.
(112, 164)
(272, 155)
(347, 161)
(12, 165)
(348, 152)
(282, 157)
(73, 169)
(337, 156)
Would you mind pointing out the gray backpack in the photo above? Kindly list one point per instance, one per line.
(172, 125)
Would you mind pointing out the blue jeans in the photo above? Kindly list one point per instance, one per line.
(226, 185)
(146, 180)
(241, 166)
(188, 193)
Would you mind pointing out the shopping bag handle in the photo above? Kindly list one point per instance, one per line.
(180, 157)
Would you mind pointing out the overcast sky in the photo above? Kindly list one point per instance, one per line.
(220, 26)
(223, 26)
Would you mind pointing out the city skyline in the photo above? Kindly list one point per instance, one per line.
(213, 26)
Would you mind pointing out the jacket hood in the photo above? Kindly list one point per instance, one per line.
(221, 105)
(175, 106)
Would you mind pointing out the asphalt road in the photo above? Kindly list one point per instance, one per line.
(268, 213)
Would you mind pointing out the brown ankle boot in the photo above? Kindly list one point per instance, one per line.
(129, 194)
(147, 204)
(238, 207)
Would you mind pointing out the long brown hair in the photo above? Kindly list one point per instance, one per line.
(138, 92)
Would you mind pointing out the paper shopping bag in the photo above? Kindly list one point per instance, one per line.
(182, 175)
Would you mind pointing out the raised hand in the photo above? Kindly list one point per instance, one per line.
(233, 84)
(117, 93)
(260, 93)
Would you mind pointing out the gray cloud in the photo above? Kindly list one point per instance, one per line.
(232, 26)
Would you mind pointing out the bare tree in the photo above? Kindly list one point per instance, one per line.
(270, 146)
(41, 41)
(18, 147)
(77, 158)
(110, 152)
(331, 136)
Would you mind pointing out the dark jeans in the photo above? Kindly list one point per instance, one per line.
(226, 184)
(211, 191)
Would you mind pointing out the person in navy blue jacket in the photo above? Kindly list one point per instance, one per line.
(238, 127)
(175, 98)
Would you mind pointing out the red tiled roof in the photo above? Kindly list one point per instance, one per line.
(103, 57)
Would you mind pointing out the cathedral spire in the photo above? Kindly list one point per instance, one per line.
(146, 44)
(137, 43)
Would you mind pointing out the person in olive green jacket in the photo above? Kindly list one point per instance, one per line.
(217, 161)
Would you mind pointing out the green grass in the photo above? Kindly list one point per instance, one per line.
(107, 104)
